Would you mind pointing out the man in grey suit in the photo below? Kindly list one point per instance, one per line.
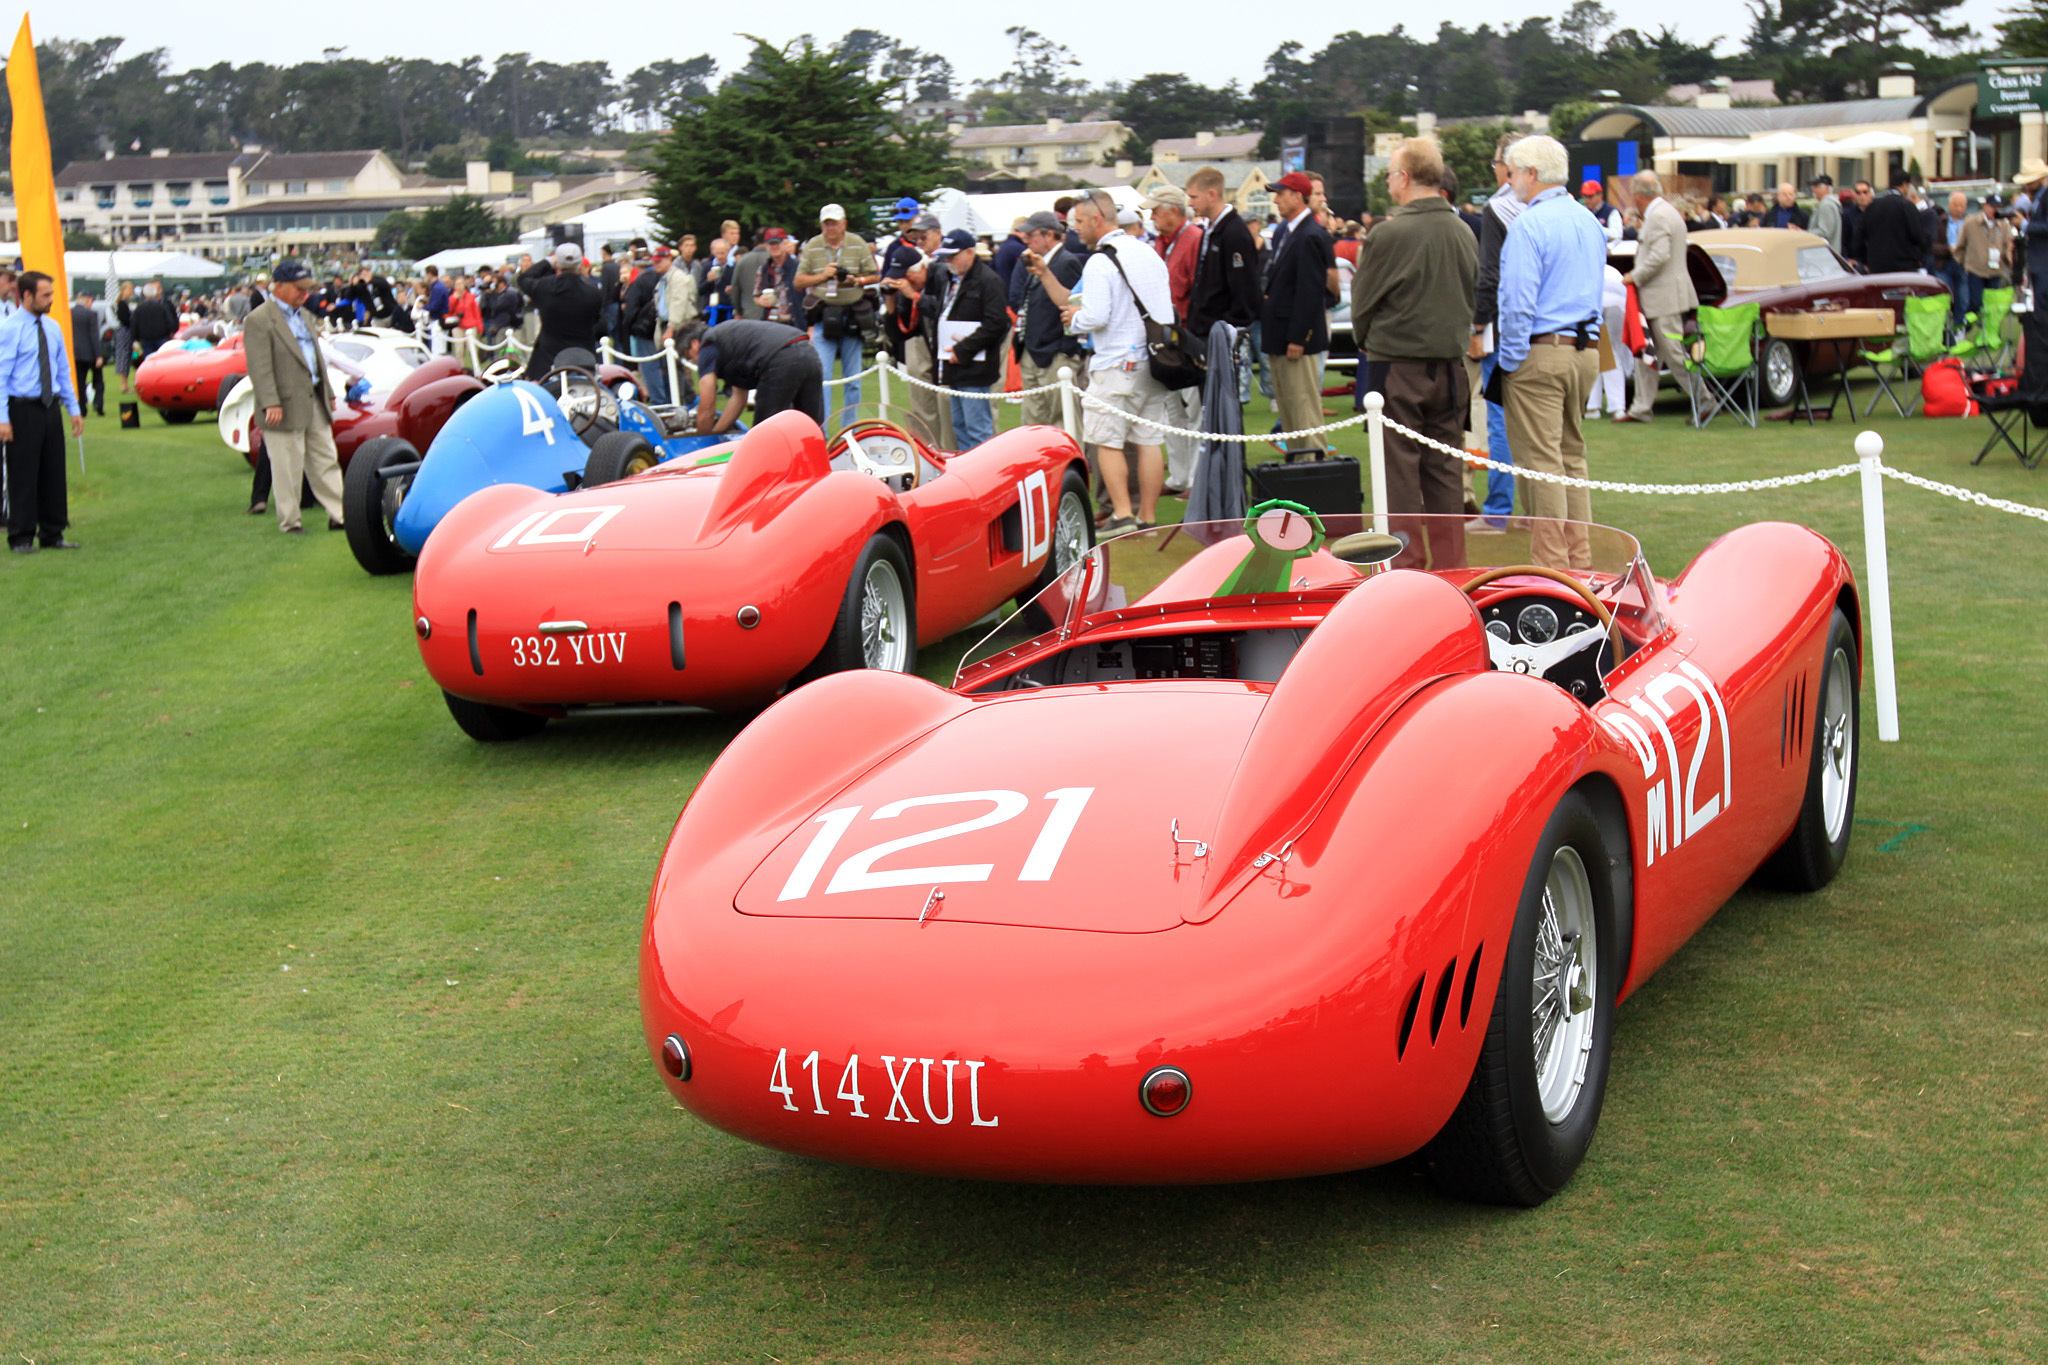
(294, 406)
(1826, 222)
(1664, 292)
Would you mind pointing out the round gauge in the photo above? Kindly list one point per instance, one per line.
(1499, 630)
(1285, 530)
(1537, 624)
(899, 454)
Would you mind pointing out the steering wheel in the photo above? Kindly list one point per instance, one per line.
(592, 409)
(1540, 659)
(894, 458)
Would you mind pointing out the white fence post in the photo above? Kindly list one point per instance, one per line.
(675, 389)
(1070, 404)
(882, 376)
(1878, 584)
(1376, 441)
(469, 340)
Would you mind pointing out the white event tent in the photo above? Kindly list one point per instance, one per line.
(620, 222)
(990, 215)
(473, 257)
(129, 265)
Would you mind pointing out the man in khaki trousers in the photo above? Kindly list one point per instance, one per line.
(1664, 292)
(295, 407)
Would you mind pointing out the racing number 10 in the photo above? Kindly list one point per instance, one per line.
(858, 872)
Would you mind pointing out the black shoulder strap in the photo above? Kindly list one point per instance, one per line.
(1109, 250)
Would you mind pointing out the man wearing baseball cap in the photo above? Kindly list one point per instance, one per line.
(961, 291)
(288, 371)
(1593, 195)
(1294, 326)
(836, 267)
(568, 303)
(1179, 244)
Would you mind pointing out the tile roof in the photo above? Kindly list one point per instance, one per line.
(1684, 121)
(1034, 134)
(309, 165)
(1222, 145)
(196, 166)
(1235, 173)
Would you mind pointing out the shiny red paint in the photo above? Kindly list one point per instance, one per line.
(174, 380)
(1017, 1019)
(777, 528)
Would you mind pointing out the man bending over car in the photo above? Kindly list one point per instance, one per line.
(764, 358)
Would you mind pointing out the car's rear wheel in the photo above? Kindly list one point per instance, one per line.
(877, 625)
(492, 724)
(1819, 843)
(370, 500)
(179, 417)
(1527, 1117)
(1780, 369)
(618, 455)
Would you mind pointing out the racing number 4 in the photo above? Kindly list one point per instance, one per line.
(858, 872)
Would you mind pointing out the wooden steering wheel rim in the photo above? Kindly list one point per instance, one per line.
(1562, 579)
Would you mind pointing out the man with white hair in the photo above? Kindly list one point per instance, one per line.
(567, 302)
(1179, 244)
(1549, 301)
(1664, 292)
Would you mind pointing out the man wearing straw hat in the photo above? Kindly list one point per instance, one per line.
(2032, 179)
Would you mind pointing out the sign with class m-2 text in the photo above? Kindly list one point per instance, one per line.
(2010, 89)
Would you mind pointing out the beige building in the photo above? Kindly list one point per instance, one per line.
(1247, 184)
(1025, 150)
(1211, 147)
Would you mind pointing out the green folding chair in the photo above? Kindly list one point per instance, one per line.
(1926, 341)
(1983, 341)
(1724, 374)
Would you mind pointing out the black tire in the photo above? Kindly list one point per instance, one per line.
(489, 724)
(1811, 855)
(1073, 490)
(617, 455)
(1778, 367)
(1500, 1146)
(227, 386)
(370, 504)
(845, 645)
(179, 417)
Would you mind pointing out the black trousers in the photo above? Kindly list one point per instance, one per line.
(36, 502)
(792, 379)
(88, 376)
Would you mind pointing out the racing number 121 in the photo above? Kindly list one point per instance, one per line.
(858, 872)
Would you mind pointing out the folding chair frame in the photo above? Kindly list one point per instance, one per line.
(1728, 390)
(2002, 420)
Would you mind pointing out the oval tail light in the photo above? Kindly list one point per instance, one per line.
(675, 1057)
(1165, 1091)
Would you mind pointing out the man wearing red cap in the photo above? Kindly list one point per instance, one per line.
(1593, 195)
(1294, 325)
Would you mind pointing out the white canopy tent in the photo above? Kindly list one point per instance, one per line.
(990, 215)
(620, 222)
(135, 265)
(1702, 151)
(472, 257)
(1775, 147)
(1876, 140)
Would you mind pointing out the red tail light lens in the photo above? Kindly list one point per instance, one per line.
(1165, 1091)
(675, 1057)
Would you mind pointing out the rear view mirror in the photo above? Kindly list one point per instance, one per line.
(1369, 547)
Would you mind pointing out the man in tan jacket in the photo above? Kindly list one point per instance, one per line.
(1664, 292)
(295, 408)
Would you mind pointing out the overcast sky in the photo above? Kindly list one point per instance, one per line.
(1119, 43)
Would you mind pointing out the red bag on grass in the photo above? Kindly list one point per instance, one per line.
(1944, 392)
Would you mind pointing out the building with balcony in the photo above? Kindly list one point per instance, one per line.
(1028, 150)
(1214, 148)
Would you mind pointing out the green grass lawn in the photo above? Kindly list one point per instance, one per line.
(321, 1038)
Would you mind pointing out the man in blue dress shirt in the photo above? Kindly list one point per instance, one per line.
(1551, 269)
(35, 373)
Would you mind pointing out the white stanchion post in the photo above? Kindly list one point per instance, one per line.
(668, 354)
(1070, 403)
(1376, 441)
(1878, 584)
(882, 377)
(469, 340)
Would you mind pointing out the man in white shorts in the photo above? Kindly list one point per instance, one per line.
(1104, 308)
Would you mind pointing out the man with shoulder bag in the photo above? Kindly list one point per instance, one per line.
(837, 267)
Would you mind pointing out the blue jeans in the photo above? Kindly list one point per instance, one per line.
(847, 351)
(1261, 370)
(1974, 296)
(974, 421)
(1952, 274)
(1500, 485)
(653, 378)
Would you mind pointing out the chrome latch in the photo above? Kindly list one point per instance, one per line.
(1268, 859)
(1201, 849)
(931, 903)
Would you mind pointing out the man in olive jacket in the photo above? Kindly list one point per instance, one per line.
(294, 407)
(1411, 309)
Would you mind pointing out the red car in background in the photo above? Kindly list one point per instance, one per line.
(411, 394)
(181, 384)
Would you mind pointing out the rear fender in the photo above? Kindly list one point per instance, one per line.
(423, 409)
(774, 463)
(1386, 640)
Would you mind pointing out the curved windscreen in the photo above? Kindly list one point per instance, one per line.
(1196, 563)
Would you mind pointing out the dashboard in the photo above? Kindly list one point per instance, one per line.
(1537, 619)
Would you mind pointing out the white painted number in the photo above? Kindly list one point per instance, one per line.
(543, 527)
(900, 1108)
(1034, 504)
(533, 418)
(1675, 811)
(858, 872)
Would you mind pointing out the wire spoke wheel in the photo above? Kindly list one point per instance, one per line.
(884, 619)
(1562, 984)
(1837, 738)
(1070, 538)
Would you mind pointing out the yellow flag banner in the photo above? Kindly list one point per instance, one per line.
(35, 186)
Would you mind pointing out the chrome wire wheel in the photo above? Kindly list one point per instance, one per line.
(884, 619)
(1566, 961)
(1069, 532)
(1838, 744)
(1781, 374)
(393, 496)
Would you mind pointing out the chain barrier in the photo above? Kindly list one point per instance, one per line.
(1966, 494)
(992, 397)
